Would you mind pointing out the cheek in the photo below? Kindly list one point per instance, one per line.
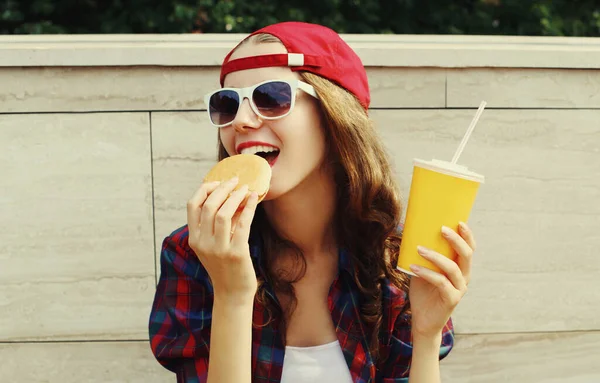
(307, 134)
(228, 139)
(317, 128)
(306, 147)
(316, 138)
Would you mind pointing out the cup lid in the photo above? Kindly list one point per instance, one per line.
(450, 169)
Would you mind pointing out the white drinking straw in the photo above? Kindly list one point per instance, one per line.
(463, 143)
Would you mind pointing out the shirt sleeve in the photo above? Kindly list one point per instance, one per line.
(180, 319)
(396, 368)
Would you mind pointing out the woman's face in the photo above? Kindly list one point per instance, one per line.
(299, 136)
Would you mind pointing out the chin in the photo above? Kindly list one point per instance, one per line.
(276, 191)
(272, 195)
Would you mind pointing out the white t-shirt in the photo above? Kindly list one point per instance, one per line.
(324, 363)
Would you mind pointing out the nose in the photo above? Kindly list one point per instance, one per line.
(246, 118)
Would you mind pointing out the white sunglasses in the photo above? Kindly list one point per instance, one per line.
(270, 100)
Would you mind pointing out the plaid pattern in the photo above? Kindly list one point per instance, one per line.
(180, 321)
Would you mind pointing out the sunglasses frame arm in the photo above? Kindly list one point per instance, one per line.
(307, 88)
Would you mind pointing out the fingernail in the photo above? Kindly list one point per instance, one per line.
(463, 226)
(422, 250)
(254, 195)
(415, 268)
(234, 180)
(446, 231)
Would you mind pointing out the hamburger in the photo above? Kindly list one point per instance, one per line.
(252, 170)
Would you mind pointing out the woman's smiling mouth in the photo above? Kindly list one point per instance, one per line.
(265, 150)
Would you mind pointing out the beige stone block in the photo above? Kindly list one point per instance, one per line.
(552, 155)
(76, 260)
(524, 88)
(74, 362)
(536, 218)
(532, 358)
(184, 148)
(545, 357)
(83, 89)
(407, 87)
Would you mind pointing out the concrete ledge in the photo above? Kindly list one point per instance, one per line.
(447, 51)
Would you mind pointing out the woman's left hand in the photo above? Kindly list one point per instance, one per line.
(433, 296)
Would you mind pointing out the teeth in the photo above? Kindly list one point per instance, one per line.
(258, 148)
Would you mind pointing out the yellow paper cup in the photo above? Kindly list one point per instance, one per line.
(441, 194)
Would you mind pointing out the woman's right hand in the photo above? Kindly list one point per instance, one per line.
(219, 234)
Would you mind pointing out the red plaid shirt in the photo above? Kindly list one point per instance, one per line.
(181, 316)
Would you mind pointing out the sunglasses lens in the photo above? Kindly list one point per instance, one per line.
(223, 107)
(273, 99)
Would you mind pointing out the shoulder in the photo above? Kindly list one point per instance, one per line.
(177, 256)
(180, 320)
(394, 298)
(177, 240)
(394, 302)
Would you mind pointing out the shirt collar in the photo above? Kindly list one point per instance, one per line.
(345, 313)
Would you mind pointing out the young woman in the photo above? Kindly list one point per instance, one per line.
(301, 288)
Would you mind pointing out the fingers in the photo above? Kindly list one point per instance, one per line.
(445, 288)
(448, 267)
(195, 203)
(212, 205)
(467, 234)
(462, 248)
(241, 231)
(236, 216)
(224, 217)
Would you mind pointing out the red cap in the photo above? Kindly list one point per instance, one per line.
(311, 48)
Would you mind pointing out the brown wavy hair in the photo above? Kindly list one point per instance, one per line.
(368, 209)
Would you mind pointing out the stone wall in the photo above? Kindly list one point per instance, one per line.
(104, 138)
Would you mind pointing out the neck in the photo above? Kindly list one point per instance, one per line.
(305, 215)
